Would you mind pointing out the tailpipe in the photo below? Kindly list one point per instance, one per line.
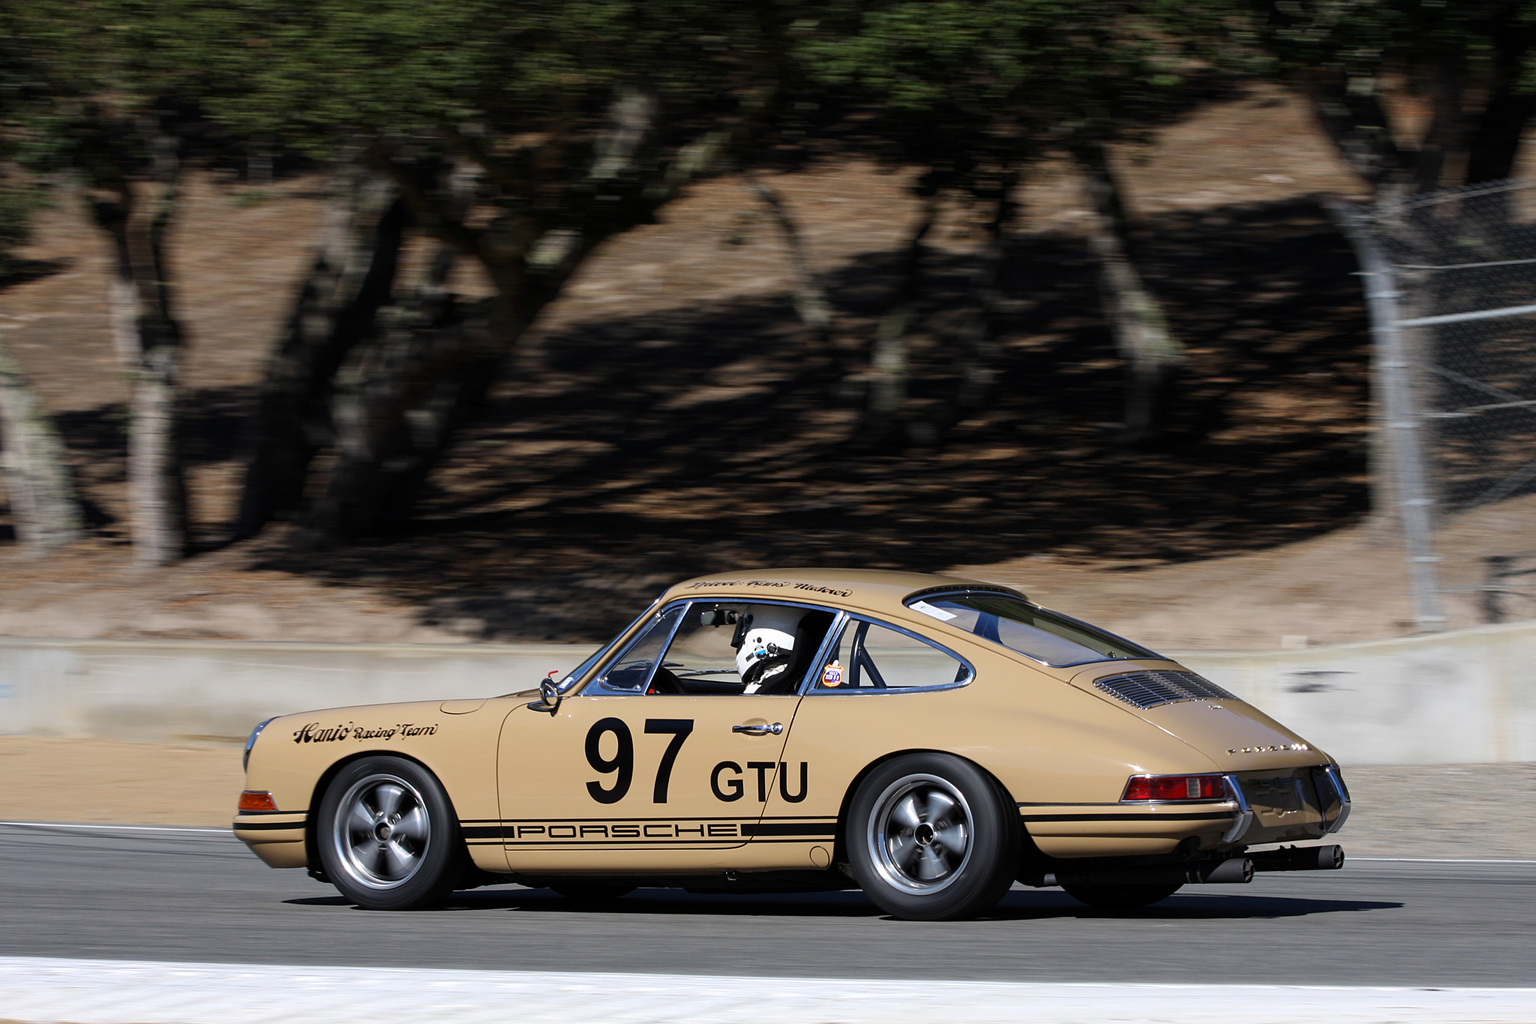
(1299, 858)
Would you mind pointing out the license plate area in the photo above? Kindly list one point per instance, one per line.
(1282, 798)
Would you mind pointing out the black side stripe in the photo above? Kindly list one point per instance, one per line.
(641, 844)
(1218, 816)
(267, 826)
(789, 829)
(809, 831)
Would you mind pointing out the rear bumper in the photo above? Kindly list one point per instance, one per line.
(1261, 808)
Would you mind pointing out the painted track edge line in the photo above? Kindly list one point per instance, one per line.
(37, 989)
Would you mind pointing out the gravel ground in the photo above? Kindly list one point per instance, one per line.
(1459, 811)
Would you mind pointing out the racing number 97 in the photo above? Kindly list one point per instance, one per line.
(622, 764)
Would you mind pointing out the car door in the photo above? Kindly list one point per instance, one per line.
(658, 763)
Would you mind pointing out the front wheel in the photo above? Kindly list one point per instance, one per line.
(388, 837)
(931, 838)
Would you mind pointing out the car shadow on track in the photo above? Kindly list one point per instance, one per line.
(1019, 905)
(1016, 906)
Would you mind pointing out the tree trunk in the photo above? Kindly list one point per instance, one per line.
(398, 406)
(1443, 149)
(430, 367)
(349, 281)
(1495, 140)
(137, 217)
(811, 302)
(888, 363)
(1359, 127)
(44, 507)
(1135, 317)
(978, 352)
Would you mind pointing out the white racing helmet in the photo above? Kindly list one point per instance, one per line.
(767, 642)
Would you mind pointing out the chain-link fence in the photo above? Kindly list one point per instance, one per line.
(1451, 279)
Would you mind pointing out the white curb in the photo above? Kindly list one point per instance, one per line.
(37, 990)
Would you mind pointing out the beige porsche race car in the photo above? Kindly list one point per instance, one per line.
(930, 740)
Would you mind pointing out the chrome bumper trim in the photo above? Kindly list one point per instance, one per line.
(1336, 780)
(1244, 820)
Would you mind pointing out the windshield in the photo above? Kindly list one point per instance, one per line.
(1044, 636)
(578, 673)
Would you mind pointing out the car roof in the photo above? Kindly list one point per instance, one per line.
(876, 590)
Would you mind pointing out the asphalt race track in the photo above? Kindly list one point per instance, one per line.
(104, 893)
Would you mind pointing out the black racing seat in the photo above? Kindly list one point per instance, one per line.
(809, 634)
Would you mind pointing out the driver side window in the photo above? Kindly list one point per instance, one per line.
(721, 648)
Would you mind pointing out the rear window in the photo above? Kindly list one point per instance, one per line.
(1044, 636)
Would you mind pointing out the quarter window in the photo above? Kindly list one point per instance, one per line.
(869, 657)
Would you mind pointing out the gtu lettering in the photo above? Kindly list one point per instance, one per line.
(733, 787)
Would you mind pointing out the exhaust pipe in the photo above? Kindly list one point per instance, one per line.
(1299, 858)
(1233, 871)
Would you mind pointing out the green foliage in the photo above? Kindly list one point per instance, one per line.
(1474, 61)
(1366, 38)
(976, 90)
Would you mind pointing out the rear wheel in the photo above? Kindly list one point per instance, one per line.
(931, 838)
(388, 838)
(1120, 897)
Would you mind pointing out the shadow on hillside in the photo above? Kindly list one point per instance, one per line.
(214, 425)
(622, 455)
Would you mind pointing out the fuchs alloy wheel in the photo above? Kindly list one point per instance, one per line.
(1120, 897)
(931, 837)
(388, 838)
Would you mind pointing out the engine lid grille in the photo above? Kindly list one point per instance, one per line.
(1149, 689)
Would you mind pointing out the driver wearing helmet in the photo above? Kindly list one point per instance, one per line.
(765, 641)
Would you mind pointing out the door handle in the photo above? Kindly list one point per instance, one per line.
(759, 730)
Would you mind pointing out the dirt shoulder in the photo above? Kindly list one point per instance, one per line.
(1459, 811)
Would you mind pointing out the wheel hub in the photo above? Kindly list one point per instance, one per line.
(381, 832)
(920, 833)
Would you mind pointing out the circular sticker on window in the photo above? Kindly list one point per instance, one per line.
(832, 675)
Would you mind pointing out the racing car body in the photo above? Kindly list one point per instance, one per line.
(929, 739)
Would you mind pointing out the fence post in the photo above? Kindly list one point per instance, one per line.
(1399, 421)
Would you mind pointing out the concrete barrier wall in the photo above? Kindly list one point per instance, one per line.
(1458, 698)
(1467, 697)
(178, 691)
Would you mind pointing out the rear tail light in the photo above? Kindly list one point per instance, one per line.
(1175, 787)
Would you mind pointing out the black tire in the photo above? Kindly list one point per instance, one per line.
(588, 892)
(930, 837)
(1120, 897)
(387, 835)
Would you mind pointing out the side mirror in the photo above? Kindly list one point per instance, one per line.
(549, 697)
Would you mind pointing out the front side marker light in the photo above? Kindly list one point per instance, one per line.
(257, 800)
